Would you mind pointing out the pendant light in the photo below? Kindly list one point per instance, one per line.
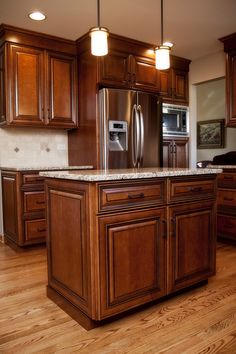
(162, 52)
(99, 45)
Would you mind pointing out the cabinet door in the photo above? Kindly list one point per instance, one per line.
(25, 86)
(180, 153)
(61, 91)
(231, 89)
(192, 244)
(167, 149)
(144, 73)
(2, 86)
(226, 227)
(132, 259)
(164, 78)
(180, 85)
(115, 69)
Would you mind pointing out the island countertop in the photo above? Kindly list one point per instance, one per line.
(22, 168)
(111, 175)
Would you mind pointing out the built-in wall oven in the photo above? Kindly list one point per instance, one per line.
(175, 119)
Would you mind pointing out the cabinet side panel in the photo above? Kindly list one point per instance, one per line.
(9, 207)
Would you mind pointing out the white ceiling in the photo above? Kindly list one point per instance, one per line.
(193, 25)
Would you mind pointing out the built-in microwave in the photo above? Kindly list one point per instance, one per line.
(175, 119)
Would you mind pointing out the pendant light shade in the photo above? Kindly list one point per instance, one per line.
(162, 52)
(99, 35)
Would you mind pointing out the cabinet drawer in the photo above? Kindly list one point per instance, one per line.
(227, 180)
(226, 197)
(33, 178)
(181, 190)
(35, 229)
(34, 201)
(130, 195)
(226, 226)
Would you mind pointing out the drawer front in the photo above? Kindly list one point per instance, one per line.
(181, 190)
(227, 180)
(226, 197)
(34, 201)
(32, 178)
(130, 195)
(226, 226)
(35, 230)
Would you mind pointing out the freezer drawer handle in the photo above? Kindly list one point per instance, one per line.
(134, 196)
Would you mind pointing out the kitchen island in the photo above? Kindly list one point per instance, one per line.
(118, 239)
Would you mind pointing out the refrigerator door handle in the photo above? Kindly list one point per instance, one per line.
(135, 136)
(141, 148)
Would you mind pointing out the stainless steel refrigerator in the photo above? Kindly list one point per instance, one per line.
(130, 129)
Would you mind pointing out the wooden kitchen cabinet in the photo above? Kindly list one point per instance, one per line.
(230, 50)
(226, 206)
(40, 83)
(2, 86)
(175, 152)
(125, 247)
(173, 82)
(128, 71)
(23, 208)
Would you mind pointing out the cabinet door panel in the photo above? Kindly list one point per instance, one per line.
(231, 89)
(180, 85)
(132, 256)
(226, 226)
(167, 149)
(192, 244)
(165, 83)
(2, 87)
(115, 69)
(9, 202)
(35, 231)
(26, 85)
(144, 74)
(61, 91)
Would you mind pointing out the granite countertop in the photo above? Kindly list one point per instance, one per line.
(44, 168)
(222, 166)
(110, 175)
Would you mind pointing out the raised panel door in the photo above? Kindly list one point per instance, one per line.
(192, 244)
(144, 74)
(180, 85)
(2, 86)
(231, 89)
(132, 259)
(167, 149)
(61, 91)
(164, 78)
(180, 152)
(115, 69)
(26, 86)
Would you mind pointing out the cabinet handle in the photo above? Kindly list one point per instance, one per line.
(40, 202)
(49, 113)
(195, 189)
(43, 113)
(133, 78)
(134, 196)
(228, 177)
(173, 221)
(39, 178)
(41, 230)
(228, 199)
(174, 149)
(129, 77)
(165, 229)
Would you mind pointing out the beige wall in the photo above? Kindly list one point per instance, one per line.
(211, 105)
(201, 70)
(32, 148)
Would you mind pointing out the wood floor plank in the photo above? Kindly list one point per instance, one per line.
(200, 321)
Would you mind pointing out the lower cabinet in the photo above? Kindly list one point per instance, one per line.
(104, 259)
(175, 152)
(132, 250)
(192, 244)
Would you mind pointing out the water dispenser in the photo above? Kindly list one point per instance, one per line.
(117, 135)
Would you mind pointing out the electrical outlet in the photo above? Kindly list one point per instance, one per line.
(61, 147)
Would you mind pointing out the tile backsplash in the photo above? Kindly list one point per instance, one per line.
(33, 147)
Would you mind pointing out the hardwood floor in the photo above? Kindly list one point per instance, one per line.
(200, 321)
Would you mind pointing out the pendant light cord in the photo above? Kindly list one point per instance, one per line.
(98, 9)
(161, 22)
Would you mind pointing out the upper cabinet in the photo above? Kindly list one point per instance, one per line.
(173, 83)
(38, 81)
(230, 50)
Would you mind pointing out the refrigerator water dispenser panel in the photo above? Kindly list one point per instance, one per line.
(117, 135)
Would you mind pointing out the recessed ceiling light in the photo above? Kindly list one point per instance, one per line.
(37, 16)
(168, 44)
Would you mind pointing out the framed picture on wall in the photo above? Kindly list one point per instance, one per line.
(211, 134)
